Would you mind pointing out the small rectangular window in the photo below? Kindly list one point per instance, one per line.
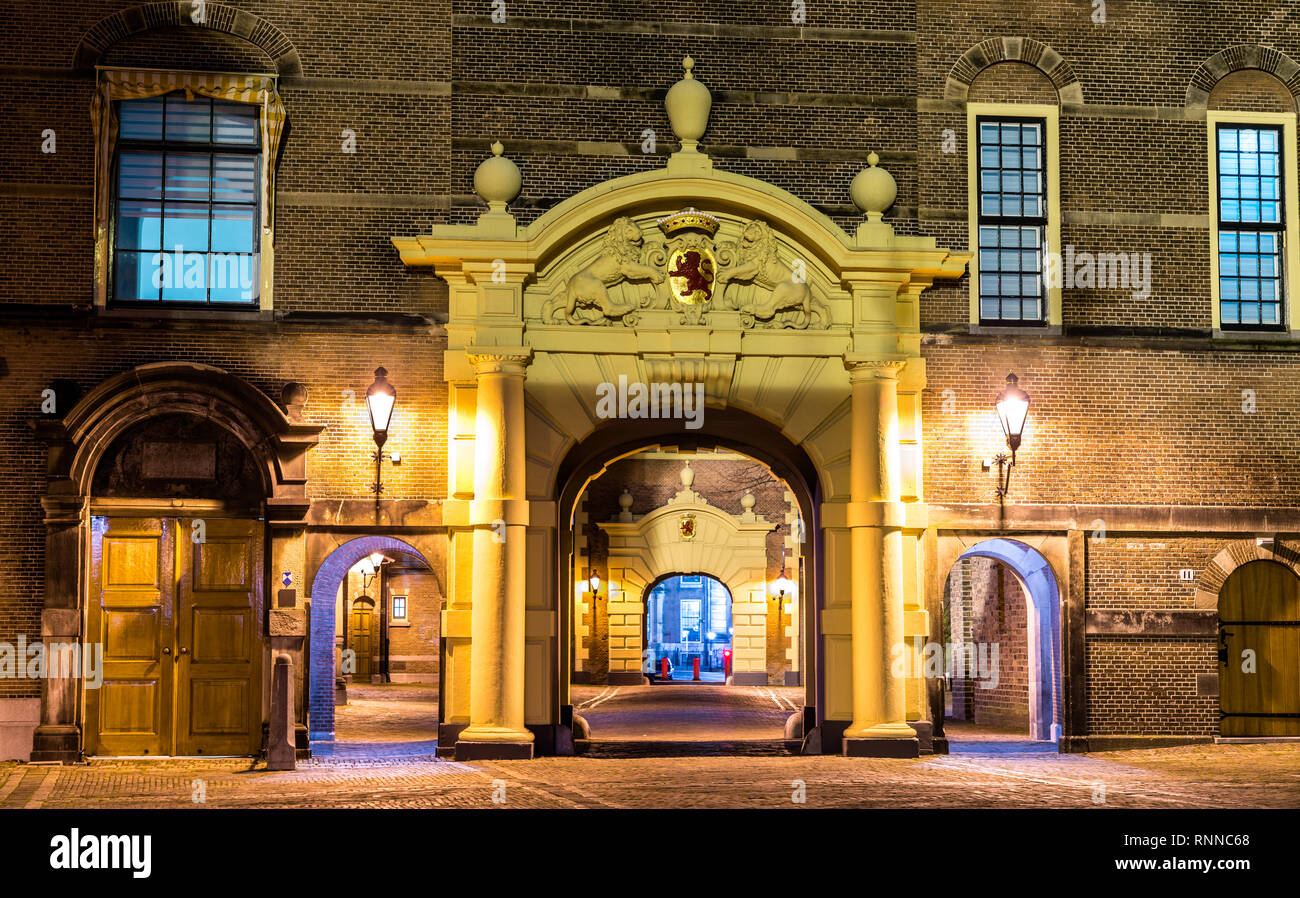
(399, 607)
(1252, 227)
(1012, 219)
(187, 193)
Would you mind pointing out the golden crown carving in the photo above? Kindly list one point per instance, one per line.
(688, 219)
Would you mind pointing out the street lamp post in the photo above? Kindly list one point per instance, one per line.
(1013, 410)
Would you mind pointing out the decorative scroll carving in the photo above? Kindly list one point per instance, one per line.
(584, 298)
(790, 301)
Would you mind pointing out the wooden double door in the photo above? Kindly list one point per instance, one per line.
(177, 604)
(1259, 656)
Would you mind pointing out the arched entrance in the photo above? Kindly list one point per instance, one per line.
(688, 623)
(666, 554)
(1259, 651)
(324, 590)
(773, 320)
(187, 482)
(1036, 581)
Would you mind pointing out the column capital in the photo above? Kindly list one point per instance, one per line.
(64, 510)
(862, 366)
(499, 359)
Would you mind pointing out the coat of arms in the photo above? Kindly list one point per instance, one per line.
(691, 267)
(691, 273)
(686, 526)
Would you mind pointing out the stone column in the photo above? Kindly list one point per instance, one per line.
(879, 727)
(499, 515)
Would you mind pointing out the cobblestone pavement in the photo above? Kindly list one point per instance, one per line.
(388, 712)
(688, 712)
(986, 769)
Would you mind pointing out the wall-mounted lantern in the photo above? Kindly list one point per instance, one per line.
(781, 587)
(369, 567)
(1013, 410)
(380, 400)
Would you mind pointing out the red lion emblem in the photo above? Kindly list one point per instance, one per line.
(698, 271)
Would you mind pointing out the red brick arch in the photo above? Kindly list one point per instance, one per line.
(1234, 556)
(180, 14)
(1238, 58)
(1014, 49)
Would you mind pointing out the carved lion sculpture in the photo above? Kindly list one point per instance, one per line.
(758, 264)
(619, 261)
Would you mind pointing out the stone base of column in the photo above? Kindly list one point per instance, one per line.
(626, 678)
(57, 742)
(494, 751)
(924, 735)
(887, 747)
(749, 678)
(448, 733)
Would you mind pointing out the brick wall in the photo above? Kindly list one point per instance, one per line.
(1134, 403)
(413, 648)
(1000, 617)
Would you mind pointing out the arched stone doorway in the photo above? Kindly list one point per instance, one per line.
(740, 432)
(756, 306)
(324, 587)
(114, 457)
(1043, 629)
(688, 535)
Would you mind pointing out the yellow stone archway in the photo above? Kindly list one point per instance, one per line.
(731, 549)
(809, 328)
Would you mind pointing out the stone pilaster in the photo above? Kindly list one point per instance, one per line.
(499, 516)
(58, 736)
(876, 519)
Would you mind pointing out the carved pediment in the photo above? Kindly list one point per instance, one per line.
(689, 275)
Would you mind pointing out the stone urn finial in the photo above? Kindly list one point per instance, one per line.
(747, 501)
(688, 476)
(292, 399)
(873, 189)
(497, 179)
(625, 503)
(688, 104)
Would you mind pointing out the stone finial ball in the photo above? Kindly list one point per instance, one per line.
(497, 179)
(873, 189)
(688, 103)
(293, 393)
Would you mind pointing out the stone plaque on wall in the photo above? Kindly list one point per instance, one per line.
(173, 460)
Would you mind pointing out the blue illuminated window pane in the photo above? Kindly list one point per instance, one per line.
(186, 226)
(141, 120)
(234, 277)
(139, 224)
(233, 229)
(187, 219)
